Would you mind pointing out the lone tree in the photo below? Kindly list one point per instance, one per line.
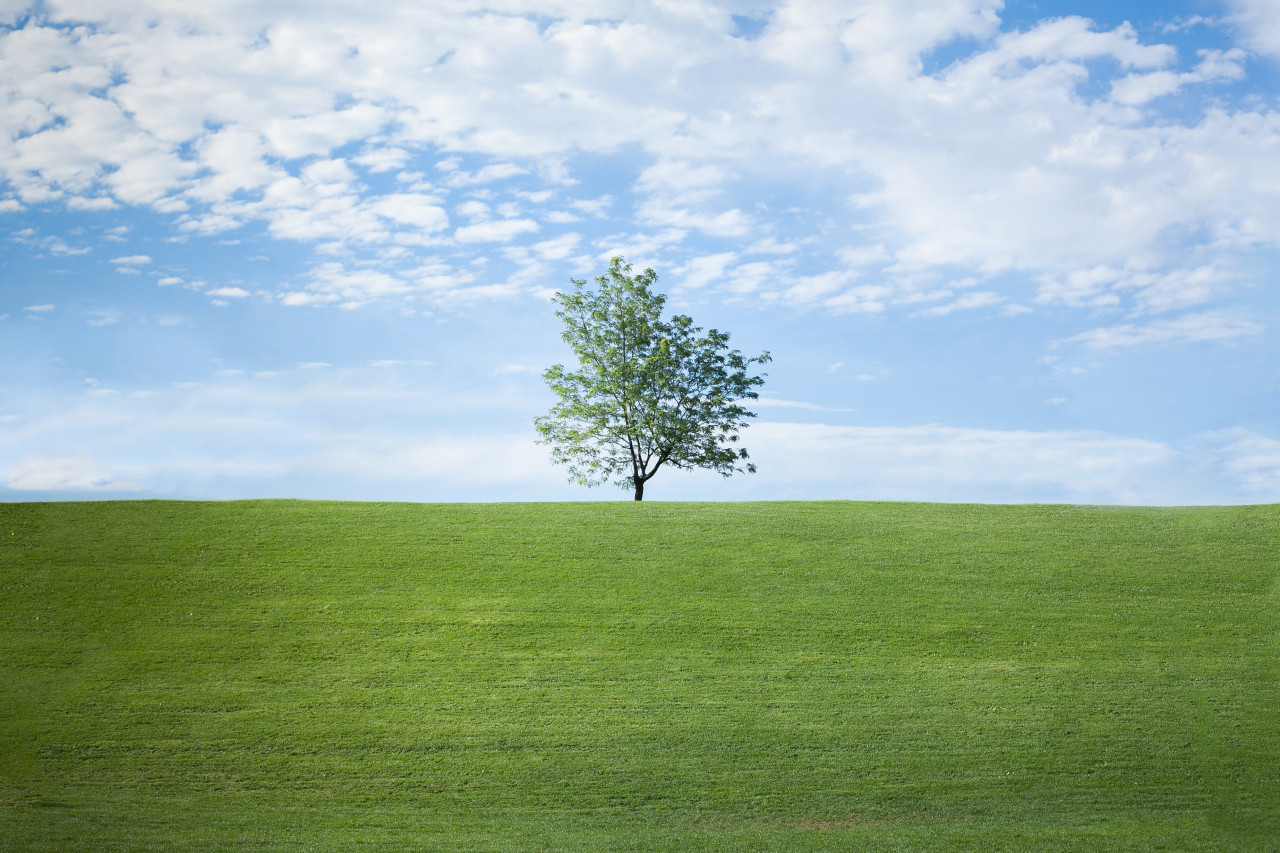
(646, 392)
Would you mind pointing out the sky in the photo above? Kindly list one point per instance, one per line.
(999, 251)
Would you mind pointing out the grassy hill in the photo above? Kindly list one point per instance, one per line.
(658, 676)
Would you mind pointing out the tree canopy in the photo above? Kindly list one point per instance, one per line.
(646, 392)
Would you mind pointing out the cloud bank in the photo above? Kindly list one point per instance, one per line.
(367, 132)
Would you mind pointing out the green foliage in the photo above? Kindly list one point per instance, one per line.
(631, 677)
(646, 392)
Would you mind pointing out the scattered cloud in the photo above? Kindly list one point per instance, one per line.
(61, 474)
(944, 463)
(236, 434)
(557, 248)
(299, 298)
(1192, 328)
(104, 316)
(1036, 119)
(777, 403)
(495, 231)
(1152, 291)
(383, 159)
(488, 174)
(395, 362)
(98, 203)
(414, 209)
(981, 299)
(875, 163)
(701, 271)
(1251, 459)
(1258, 22)
(1214, 65)
(333, 282)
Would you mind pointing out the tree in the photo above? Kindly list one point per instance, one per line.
(646, 392)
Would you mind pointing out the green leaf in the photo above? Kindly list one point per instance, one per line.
(646, 392)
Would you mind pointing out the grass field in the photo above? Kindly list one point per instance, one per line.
(622, 676)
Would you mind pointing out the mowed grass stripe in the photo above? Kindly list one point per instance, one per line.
(622, 676)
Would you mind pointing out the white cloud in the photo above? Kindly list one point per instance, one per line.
(103, 316)
(488, 174)
(771, 246)
(496, 231)
(395, 362)
(422, 211)
(597, 207)
(228, 292)
(474, 210)
(1191, 328)
(863, 299)
(39, 309)
(298, 298)
(333, 282)
(455, 461)
(948, 463)
(59, 474)
(1258, 21)
(221, 115)
(1080, 288)
(1251, 459)
(726, 223)
(755, 276)
(1182, 288)
(132, 260)
(703, 270)
(557, 248)
(1214, 65)
(99, 203)
(318, 134)
(329, 177)
(371, 432)
(383, 159)
(209, 223)
(981, 299)
(237, 434)
(811, 288)
(777, 403)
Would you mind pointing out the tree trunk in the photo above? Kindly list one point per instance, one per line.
(639, 490)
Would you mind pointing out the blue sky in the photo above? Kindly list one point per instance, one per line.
(999, 251)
